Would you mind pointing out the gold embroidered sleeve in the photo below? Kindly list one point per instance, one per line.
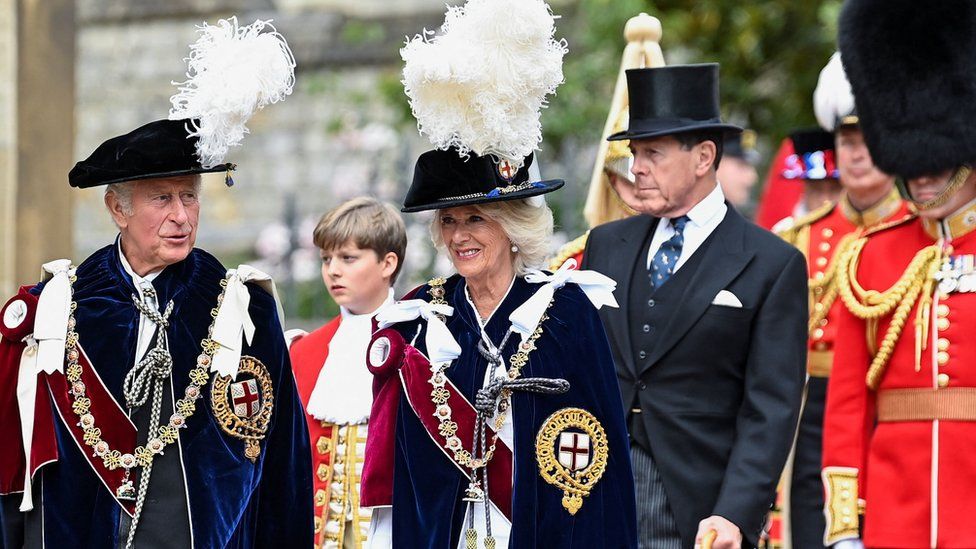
(841, 505)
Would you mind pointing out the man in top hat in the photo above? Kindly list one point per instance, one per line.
(147, 398)
(869, 197)
(737, 171)
(709, 340)
(898, 465)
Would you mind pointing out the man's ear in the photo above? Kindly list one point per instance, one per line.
(390, 263)
(706, 157)
(114, 206)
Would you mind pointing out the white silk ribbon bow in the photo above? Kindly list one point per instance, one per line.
(441, 345)
(51, 322)
(233, 325)
(597, 287)
(26, 397)
(44, 353)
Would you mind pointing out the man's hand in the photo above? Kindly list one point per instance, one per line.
(728, 534)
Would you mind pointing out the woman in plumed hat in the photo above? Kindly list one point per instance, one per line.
(899, 468)
(497, 421)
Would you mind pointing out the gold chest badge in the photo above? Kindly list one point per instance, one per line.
(571, 449)
(243, 406)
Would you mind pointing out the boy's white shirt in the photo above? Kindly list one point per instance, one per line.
(343, 392)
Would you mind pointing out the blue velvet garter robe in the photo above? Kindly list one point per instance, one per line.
(428, 488)
(226, 500)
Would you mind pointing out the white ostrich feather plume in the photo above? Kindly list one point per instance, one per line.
(833, 98)
(480, 85)
(232, 72)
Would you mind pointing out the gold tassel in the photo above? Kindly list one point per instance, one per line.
(471, 538)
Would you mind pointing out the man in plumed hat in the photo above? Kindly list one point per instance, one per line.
(869, 198)
(709, 339)
(898, 466)
(146, 398)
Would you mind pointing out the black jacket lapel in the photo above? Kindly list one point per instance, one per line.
(630, 249)
(725, 258)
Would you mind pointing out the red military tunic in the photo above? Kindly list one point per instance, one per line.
(901, 416)
(337, 450)
(822, 236)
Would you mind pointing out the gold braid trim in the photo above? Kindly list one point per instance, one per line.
(568, 250)
(871, 305)
(824, 292)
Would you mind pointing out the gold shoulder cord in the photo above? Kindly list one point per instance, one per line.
(824, 292)
(871, 305)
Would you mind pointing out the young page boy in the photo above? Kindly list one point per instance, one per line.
(362, 243)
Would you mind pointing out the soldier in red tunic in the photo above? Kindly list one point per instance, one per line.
(898, 461)
(362, 243)
(869, 198)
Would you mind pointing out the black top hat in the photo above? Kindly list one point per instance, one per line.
(813, 156)
(911, 66)
(163, 148)
(675, 99)
(444, 179)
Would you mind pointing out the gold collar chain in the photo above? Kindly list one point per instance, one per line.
(439, 395)
(159, 436)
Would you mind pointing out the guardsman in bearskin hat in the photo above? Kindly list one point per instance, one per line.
(611, 190)
(899, 468)
(869, 198)
(147, 398)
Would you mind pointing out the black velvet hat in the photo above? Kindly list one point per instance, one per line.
(162, 148)
(813, 156)
(670, 100)
(912, 67)
(444, 179)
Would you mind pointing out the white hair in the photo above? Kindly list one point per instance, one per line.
(529, 228)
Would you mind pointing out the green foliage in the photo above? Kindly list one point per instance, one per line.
(770, 51)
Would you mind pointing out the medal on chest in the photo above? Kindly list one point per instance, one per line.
(957, 275)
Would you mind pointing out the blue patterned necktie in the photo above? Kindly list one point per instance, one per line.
(666, 258)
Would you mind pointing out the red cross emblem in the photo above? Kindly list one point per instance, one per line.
(574, 450)
(506, 169)
(246, 398)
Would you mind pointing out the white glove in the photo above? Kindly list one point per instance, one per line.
(855, 543)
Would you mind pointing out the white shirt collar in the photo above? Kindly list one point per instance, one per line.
(708, 208)
(137, 280)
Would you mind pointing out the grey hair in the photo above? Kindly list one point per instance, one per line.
(527, 226)
(123, 193)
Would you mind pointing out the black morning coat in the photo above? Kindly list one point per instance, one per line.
(719, 390)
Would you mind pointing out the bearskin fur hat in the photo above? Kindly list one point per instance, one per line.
(912, 67)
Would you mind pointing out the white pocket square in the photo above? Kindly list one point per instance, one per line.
(726, 298)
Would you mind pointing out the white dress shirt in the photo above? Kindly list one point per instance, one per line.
(702, 220)
(147, 328)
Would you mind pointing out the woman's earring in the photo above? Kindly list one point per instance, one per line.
(514, 248)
